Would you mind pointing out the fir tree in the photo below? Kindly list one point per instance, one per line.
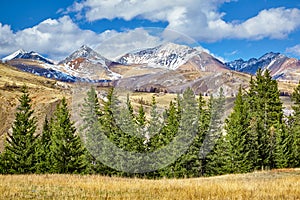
(237, 139)
(164, 137)
(90, 114)
(108, 119)
(44, 151)
(203, 128)
(293, 140)
(90, 128)
(129, 106)
(215, 144)
(90, 111)
(188, 164)
(19, 155)
(154, 123)
(266, 120)
(68, 152)
(141, 117)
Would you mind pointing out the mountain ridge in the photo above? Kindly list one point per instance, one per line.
(164, 63)
(281, 67)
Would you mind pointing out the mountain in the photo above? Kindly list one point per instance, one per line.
(35, 63)
(87, 63)
(281, 66)
(84, 65)
(84, 53)
(172, 56)
(21, 54)
(168, 67)
(174, 68)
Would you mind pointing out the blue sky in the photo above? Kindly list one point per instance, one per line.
(229, 29)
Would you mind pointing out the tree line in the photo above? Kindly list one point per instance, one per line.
(190, 138)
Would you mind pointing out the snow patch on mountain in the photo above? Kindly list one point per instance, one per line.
(169, 56)
(268, 61)
(14, 55)
(22, 54)
(87, 63)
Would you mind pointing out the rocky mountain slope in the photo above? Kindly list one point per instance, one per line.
(84, 65)
(168, 67)
(281, 67)
(87, 63)
(171, 56)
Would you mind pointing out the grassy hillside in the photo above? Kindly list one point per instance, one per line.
(45, 94)
(279, 184)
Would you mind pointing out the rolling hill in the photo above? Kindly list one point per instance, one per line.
(45, 94)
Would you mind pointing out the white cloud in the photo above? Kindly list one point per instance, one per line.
(7, 39)
(54, 37)
(120, 43)
(295, 50)
(57, 38)
(200, 19)
(274, 23)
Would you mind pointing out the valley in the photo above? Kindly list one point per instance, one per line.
(164, 71)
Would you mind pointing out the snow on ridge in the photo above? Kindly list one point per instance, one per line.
(168, 55)
(14, 55)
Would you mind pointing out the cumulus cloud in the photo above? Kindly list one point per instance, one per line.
(54, 37)
(57, 38)
(199, 19)
(274, 23)
(7, 38)
(295, 50)
(120, 43)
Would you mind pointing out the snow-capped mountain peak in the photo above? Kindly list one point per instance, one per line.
(87, 63)
(83, 53)
(168, 55)
(270, 55)
(22, 54)
(14, 55)
(271, 61)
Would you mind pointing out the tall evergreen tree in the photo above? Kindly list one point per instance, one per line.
(164, 137)
(237, 137)
(68, 152)
(293, 141)
(91, 115)
(154, 123)
(44, 151)
(267, 118)
(90, 111)
(141, 117)
(203, 128)
(19, 155)
(92, 132)
(188, 164)
(215, 144)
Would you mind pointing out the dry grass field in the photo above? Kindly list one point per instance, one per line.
(277, 184)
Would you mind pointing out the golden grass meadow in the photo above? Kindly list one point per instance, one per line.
(275, 184)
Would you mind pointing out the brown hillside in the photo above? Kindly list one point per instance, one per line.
(45, 94)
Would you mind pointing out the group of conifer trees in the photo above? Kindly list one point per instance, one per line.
(57, 150)
(190, 138)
